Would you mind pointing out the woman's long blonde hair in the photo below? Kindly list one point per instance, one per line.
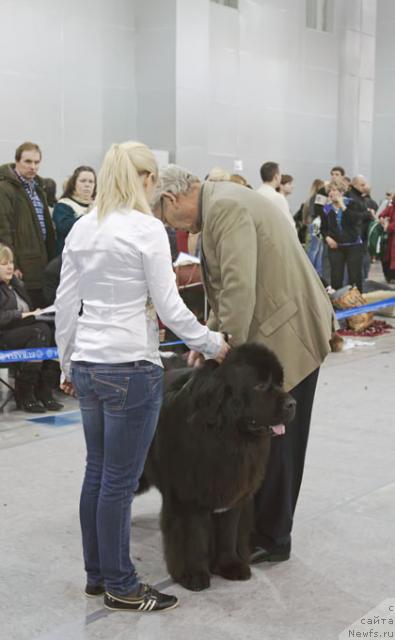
(119, 184)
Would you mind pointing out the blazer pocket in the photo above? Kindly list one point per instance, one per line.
(278, 318)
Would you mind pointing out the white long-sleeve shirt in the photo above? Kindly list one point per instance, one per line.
(277, 198)
(120, 271)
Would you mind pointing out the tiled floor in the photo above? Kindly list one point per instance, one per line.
(343, 556)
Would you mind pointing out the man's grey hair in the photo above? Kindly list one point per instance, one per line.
(173, 179)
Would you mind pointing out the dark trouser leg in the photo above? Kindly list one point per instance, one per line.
(337, 261)
(35, 335)
(366, 262)
(354, 258)
(276, 500)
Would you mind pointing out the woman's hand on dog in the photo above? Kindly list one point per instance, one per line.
(68, 388)
(196, 359)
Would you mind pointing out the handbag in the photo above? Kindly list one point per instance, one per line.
(349, 297)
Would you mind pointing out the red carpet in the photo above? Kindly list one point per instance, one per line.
(377, 328)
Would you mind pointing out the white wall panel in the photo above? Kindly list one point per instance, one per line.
(67, 79)
(369, 16)
(368, 53)
(353, 15)
(384, 112)
(366, 100)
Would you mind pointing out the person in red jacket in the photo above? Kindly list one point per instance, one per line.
(387, 219)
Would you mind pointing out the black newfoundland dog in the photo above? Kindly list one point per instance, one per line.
(208, 458)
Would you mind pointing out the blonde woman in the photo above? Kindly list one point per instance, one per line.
(20, 329)
(116, 275)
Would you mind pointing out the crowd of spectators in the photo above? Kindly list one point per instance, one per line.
(340, 226)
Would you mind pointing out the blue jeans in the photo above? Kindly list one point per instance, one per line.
(315, 251)
(120, 406)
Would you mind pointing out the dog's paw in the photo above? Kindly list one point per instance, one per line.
(233, 570)
(195, 581)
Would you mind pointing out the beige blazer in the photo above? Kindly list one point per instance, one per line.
(260, 284)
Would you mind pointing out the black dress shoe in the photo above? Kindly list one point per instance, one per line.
(44, 394)
(275, 554)
(30, 405)
(51, 404)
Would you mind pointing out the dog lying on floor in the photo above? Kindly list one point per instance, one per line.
(208, 458)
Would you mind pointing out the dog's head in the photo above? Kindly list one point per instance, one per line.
(247, 388)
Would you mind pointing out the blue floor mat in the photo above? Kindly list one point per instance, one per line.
(58, 420)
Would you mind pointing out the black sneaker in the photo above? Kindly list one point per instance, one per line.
(276, 554)
(149, 599)
(93, 591)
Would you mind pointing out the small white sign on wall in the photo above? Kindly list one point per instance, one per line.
(238, 165)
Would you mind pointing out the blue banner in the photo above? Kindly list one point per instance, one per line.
(25, 355)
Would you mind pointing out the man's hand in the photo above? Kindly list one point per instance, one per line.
(18, 274)
(332, 244)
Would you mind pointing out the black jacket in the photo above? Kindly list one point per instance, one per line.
(10, 315)
(366, 216)
(351, 228)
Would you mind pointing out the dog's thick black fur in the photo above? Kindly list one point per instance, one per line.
(208, 458)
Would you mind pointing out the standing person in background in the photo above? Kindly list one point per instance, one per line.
(271, 178)
(286, 186)
(387, 219)
(25, 221)
(314, 242)
(116, 275)
(342, 230)
(49, 186)
(357, 192)
(321, 199)
(77, 199)
(386, 201)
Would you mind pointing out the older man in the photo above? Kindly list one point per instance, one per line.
(25, 222)
(261, 288)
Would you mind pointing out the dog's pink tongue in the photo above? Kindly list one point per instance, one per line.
(279, 430)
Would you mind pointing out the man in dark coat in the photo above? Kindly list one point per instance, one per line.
(357, 193)
(25, 222)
